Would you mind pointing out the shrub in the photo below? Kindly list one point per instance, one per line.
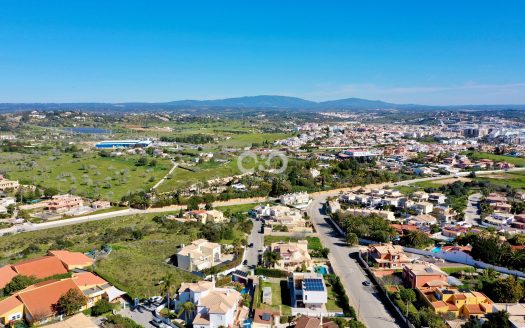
(102, 306)
(274, 273)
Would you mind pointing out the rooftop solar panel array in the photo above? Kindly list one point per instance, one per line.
(313, 284)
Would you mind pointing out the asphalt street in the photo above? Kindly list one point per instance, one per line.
(366, 300)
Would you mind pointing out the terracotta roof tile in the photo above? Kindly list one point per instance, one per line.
(41, 300)
(6, 275)
(72, 258)
(9, 304)
(41, 267)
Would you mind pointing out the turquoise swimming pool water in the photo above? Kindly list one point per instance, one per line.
(321, 270)
(436, 249)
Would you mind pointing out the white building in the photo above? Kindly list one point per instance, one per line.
(7, 184)
(307, 290)
(295, 199)
(199, 255)
(214, 307)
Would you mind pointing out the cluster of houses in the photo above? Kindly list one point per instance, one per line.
(199, 255)
(364, 202)
(434, 287)
(37, 303)
(502, 217)
(279, 215)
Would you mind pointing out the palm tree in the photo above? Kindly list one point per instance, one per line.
(270, 258)
(187, 308)
(167, 286)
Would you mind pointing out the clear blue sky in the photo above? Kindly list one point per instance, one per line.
(430, 52)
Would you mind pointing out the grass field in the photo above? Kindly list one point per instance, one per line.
(513, 179)
(278, 299)
(313, 242)
(331, 305)
(204, 172)
(89, 176)
(136, 266)
(518, 161)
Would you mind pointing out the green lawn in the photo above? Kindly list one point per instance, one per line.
(427, 184)
(277, 299)
(518, 161)
(136, 266)
(313, 242)
(88, 176)
(331, 304)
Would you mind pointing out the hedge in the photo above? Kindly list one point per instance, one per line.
(274, 273)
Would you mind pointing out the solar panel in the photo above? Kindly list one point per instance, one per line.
(313, 284)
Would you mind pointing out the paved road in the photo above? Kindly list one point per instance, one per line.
(257, 239)
(472, 212)
(47, 225)
(366, 300)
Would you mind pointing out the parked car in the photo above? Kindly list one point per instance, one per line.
(245, 262)
(367, 283)
(250, 245)
(262, 278)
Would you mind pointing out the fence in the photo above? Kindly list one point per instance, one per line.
(465, 259)
(379, 284)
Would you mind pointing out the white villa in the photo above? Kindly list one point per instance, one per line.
(214, 307)
(307, 290)
(281, 215)
(295, 199)
(199, 255)
(292, 255)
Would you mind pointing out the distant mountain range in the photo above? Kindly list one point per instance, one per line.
(250, 102)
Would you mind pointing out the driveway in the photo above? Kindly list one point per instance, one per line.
(141, 316)
(366, 300)
(472, 212)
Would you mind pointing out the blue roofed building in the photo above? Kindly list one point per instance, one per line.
(116, 144)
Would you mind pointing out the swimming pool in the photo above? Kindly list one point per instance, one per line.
(436, 249)
(321, 270)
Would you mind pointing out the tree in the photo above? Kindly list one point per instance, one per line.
(101, 306)
(193, 204)
(498, 319)
(417, 239)
(407, 296)
(351, 239)
(187, 308)
(167, 286)
(71, 302)
(270, 258)
(506, 290)
(473, 322)
(142, 161)
(18, 283)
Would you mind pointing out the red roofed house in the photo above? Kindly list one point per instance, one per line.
(41, 267)
(6, 274)
(37, 303)
(72, 260)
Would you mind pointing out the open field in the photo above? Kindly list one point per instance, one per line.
(518, 161)
(451, 180)
(513, 179)
(203, 172)
(135, 266)
(90, 175)
(280, 297)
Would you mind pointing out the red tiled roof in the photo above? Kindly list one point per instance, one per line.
(41, 300)
(6, 274)
(85, 279)
(474, 309)
(41, 267)
(9, 304)
(72, 258)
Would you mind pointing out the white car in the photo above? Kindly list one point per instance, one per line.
(263, 278)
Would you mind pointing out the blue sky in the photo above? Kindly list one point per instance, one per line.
(429, 52)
